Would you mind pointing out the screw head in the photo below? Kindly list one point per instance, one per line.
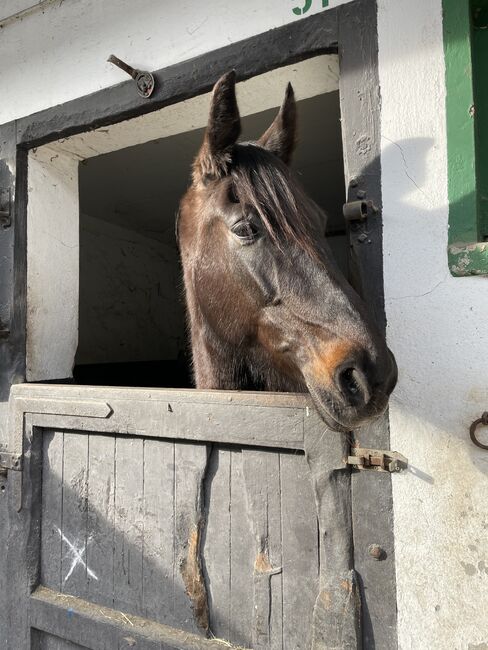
(376, 552)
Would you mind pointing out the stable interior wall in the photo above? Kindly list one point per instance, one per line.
(131, 307)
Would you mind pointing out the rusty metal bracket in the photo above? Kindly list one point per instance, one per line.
(144, 80)
(483, 420)
(9, 461)
(378, 460)
(5, 216)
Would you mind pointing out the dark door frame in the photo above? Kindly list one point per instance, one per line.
(350, 30)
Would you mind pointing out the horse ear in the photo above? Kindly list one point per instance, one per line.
(223, 129)
(280, 138)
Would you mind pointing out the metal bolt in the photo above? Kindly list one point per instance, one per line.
(376, 552)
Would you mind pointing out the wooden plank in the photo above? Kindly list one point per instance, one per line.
(22, 553)
(100, 519)
(300, 552)
(52, 507)
(52, 547)
(74, 569)
(128, 525)
(216, 541)
(101, 628)
(159, 523)
(276, 427)
(337, 610)
(273, 475)
(171, 395)
(261, 475)
(372, 500)
(242, 553)
(43, 641)
(190, 606)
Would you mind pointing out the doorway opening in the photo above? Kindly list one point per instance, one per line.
(129, 328)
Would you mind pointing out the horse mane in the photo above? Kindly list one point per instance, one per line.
(263, 182)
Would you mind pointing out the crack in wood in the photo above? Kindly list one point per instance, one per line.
(192, 574)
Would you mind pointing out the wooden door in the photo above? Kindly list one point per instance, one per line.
(177, 519)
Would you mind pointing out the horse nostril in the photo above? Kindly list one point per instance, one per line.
(353, 385)
(349, 382)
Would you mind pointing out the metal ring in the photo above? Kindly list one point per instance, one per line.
(472, 430)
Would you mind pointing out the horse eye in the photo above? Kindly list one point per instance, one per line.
(245, 231)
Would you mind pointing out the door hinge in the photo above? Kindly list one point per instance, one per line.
(378, 460)
(10, 461)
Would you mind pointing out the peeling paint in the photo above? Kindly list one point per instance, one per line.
(191, 572)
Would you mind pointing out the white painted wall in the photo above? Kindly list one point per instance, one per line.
(437, 327)
(52, 273)
(436, 324)
(59, 51)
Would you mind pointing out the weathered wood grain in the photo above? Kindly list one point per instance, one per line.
(159, 526)
(242, 553)
(261, 475)
(190, 595)
(42, 641)
(372, 499)
(102, 628)
(300, 551)
(216, 547)
(222, 545)
(128, 524)
(52, 503)
(52, 546)
(101, 519)
(74, 515)
(337, 611)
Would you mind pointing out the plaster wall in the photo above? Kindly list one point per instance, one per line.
(58, 50)
(437, 329)
(52, 273)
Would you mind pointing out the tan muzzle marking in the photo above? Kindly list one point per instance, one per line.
(327, 356)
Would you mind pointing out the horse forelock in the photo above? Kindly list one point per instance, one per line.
(264, 183)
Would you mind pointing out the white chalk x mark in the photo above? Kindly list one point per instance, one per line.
(77, 555)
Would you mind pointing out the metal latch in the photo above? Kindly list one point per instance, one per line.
(9, 461)
(377, 459)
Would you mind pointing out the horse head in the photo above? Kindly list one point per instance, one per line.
(268, 307)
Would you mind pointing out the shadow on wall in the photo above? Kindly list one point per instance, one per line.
(429, 317)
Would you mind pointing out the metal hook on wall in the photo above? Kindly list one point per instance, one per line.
(144, 80)
(483, 420)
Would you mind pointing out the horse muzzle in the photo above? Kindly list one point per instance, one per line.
(354, 392)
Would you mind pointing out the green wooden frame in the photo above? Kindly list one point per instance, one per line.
(467, 135)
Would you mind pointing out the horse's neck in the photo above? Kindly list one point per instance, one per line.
(218, 365)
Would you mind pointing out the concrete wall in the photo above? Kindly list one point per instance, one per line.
(436, 324)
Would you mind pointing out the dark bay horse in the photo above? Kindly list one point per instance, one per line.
(267, 306)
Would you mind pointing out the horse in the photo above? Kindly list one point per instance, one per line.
(268, 308)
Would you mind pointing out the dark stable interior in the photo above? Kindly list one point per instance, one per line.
(132, 329)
